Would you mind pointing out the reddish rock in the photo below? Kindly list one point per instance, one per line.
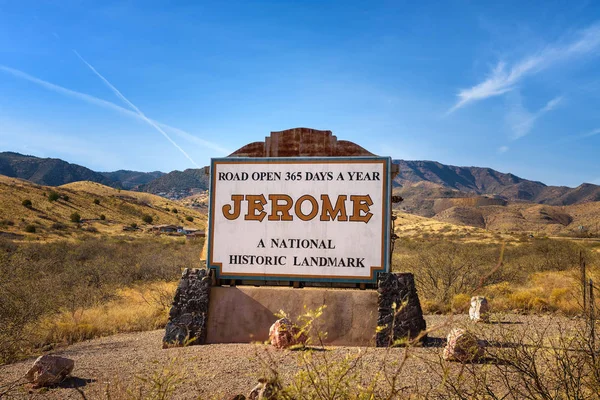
(284, 334)
(462, 346)
(49, 370)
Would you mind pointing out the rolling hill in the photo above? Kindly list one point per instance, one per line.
(56, 172)
(102, 210)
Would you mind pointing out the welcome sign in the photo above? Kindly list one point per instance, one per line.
(300, 219)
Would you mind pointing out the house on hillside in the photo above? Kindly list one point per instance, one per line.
(186, 230)
(165, 228)
(197, 234)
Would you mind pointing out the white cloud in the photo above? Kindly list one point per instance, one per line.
(107, 104)
(502, 149)
(503, 78)
(590, 133)
(521, 121)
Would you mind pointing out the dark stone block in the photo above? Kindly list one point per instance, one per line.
(400, 314)
(188, 314)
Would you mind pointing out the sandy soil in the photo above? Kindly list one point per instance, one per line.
(120, 364)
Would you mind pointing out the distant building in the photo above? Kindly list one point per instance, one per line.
(195, 235)
(165, 228)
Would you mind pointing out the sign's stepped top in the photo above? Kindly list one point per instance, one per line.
(301, 142)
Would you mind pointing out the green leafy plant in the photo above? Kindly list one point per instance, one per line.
(53, 196)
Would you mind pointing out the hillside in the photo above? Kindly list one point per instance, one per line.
(46, 171)
(91, 201)
(126, 179)
(486, 181)
(178, 184)
(574, 220)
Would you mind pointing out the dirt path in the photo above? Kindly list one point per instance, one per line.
(120, 363)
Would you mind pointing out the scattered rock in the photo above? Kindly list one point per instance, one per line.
(462, 346)
(265, 390)
(49, 370)
(480, 309)
(283, 334)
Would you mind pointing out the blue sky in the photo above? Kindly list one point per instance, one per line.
(144, 85)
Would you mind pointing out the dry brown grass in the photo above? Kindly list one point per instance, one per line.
(143, 307)
(52, 219)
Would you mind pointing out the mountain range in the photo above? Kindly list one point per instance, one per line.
(421, 183)
(56, 172)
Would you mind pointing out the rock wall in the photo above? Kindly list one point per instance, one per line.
(189, 312)
(301, 142)
(400, 314)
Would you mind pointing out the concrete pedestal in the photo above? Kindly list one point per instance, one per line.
(244, 314)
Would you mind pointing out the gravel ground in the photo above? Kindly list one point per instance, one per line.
(119, 364)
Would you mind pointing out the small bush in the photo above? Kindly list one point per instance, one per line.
(96, 201)
(65, 197)
(53, 196)
(102, 217)
(189, 218)
(174, 211)
(133, 225)
(58, 226)
(147, 218)
(6, 222)
(30, 228)
(75, 217)
(27, 203)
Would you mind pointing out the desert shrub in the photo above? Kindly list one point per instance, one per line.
(96, 201)
(549, 361)
(27, 203)
(75, 217)
(38, 280)
(147, 218)
(65, 197)
(102, 217)
(53, 196)
(30, 228)
(174, 211)
(58, 226)
(189, 218)
(133, 225)
(6, 222)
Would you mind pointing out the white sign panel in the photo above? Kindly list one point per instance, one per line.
(310, 219)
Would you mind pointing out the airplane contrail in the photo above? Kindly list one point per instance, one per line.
(137, 110)
(107, 104)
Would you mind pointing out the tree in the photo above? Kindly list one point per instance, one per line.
(147, 218)
(174, 211)
(27, 203)
(96, 201)
(189, 218)
(102, 217)
(53, 196)
(75, 217)
(65, 197)
(30, 228)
